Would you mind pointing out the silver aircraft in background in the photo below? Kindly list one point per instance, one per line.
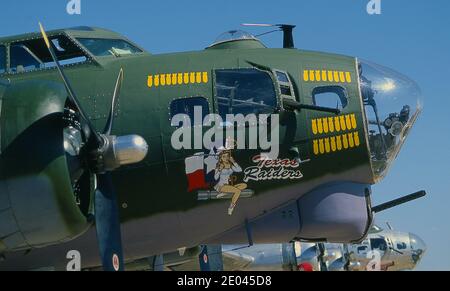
(382, 250)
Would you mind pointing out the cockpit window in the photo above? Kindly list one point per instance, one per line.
(392, 105)
(245, 91)
(22, 59)
(108, 47)
(2, 59)
(32, 54)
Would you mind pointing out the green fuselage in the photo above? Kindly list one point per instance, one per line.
(154, 193)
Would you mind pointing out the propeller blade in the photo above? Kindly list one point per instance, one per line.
(107, 224)
(109, 123)
(66, 82)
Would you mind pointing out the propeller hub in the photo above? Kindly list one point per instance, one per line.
(118, 151)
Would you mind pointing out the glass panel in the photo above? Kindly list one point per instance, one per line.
(108, 47)
(33, 54)
(285, 90)
(232, 35)
(2, 59)
(330, 97)
(401, 246)
(392, 103)
(22, 59)
(245, 91)
(187, 106)
(282, 77)
(362, 249)
(378, 244)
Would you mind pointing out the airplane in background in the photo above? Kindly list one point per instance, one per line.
(382, 250)
(88, 121)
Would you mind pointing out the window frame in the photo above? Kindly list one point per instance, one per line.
(344, 91)
(31, 55)
(268, 72)
(90, 59)
(401, 246)
(80, 44)
(362, 249)
(5, 59)
(381, 241)
(287, 84)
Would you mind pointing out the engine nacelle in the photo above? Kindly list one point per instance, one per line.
(37, 202)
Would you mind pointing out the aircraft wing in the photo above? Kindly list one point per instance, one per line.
(232, 261)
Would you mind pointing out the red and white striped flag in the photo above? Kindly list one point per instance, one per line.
(195, 172)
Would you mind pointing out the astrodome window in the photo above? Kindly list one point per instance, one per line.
(109, 47)
(2, 59)
(245, 91)
(392, 103)
(233, 35)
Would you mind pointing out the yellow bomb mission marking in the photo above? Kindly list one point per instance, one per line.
(347, 137)
(327, 76)
(336, 143)
(174, 79)
(334, 124)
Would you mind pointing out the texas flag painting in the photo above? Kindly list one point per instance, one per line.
(200, 170)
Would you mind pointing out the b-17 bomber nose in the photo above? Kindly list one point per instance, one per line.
(392, 104)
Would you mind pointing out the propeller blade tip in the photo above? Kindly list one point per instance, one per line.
(44, 35)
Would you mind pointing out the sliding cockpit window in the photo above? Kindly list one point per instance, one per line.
(30, 55)
(2, 59)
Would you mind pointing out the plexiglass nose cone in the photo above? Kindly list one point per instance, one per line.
(392, 104)
(418, 247)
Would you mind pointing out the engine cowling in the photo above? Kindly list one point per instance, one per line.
(38, 206)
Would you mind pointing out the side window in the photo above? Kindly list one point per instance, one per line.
(285, 84)
(244, 91)
(330, 97)
(187, 106)
(378, 244)
(2, 59)
(401, 246)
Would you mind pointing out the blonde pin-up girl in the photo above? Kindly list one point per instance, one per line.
(225, 168)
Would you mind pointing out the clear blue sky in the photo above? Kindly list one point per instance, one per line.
(412, 37)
